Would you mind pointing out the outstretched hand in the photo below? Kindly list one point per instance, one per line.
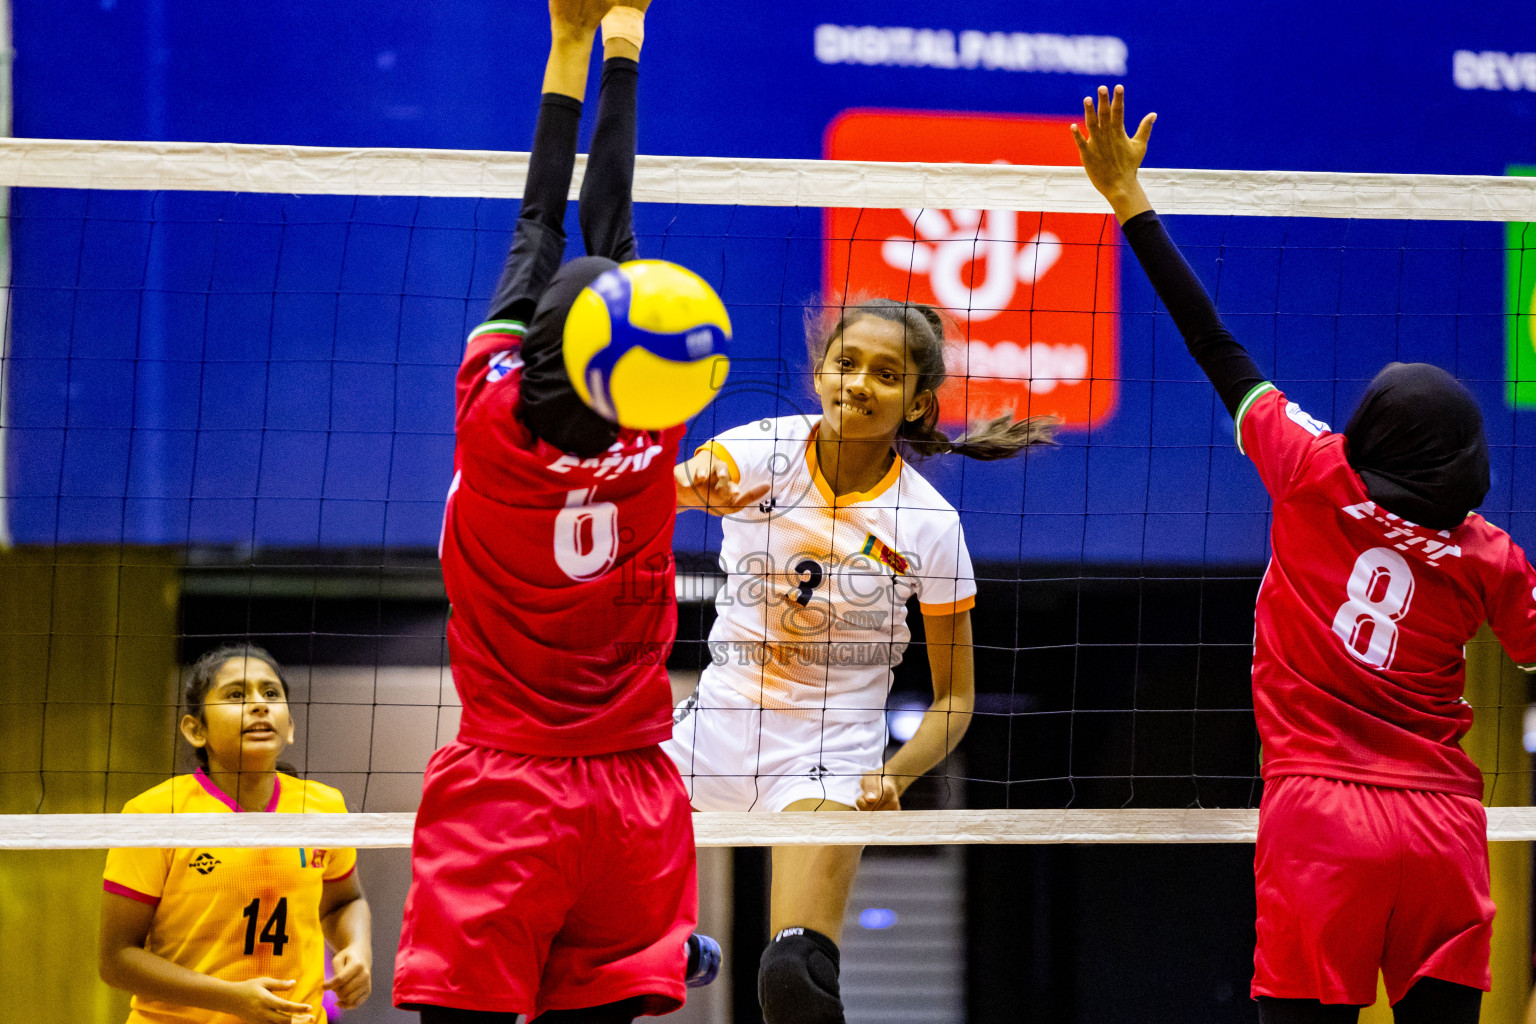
(1109, 155)
(705, 482)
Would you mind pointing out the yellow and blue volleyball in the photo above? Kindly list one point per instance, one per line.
(646, 344)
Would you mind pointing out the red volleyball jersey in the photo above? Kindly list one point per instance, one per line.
(1358, 664)
(560, 573)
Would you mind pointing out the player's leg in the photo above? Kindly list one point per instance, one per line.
(1436, 966)
(1305, 1011)
(811, 884)
(1432, 1001)
(797, 980)
(454, 1015)
(606, 207)
(622, 1012)
(491, 862)
(811, 763)
(1326, 873)
(626, 935)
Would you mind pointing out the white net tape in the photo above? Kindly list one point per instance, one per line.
(905, 828)
(199, 166)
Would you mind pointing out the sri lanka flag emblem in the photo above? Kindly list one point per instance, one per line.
(877, 549)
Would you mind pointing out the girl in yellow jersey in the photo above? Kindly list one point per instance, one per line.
(215, 936)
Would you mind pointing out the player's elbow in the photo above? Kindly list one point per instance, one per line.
(349, 912)
(957, 718)
(109, 965)
(959, 722)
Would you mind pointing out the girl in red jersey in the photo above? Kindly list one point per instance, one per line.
(790, 714)
(213, 936)
(1372, 848)
(553, 860)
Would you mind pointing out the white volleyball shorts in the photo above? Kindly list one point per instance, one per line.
(735, 755)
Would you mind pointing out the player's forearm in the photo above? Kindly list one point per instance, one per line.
(351, 926)
(153, 977)
(1228, 365)
(623, 32)
(570, 55)
(538, 239)
(1128, 199)
(942, 727)
(687, 494)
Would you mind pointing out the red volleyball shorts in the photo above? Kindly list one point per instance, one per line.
(545, 883)
(1353, 878)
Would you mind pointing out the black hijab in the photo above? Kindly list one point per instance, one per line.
(1416, 439)
(550, 405)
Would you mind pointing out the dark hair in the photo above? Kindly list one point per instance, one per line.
(925, 330)
(204, 670)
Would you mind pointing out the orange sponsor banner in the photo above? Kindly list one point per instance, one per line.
(1035, 296)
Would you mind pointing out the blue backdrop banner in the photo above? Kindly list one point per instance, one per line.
(264, 371)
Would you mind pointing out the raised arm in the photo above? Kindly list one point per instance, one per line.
(605, 209)
(709, 481)
(538, 241)
(1111, 158)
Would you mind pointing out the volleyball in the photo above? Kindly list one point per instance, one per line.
(645, 344)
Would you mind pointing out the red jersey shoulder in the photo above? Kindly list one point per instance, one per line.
(1279, 436)
(491, 355)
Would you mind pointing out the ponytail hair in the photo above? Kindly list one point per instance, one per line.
(926, 329)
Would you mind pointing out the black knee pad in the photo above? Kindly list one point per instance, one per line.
(797, 979)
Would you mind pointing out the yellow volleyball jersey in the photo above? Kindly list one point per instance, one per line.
(236, 913)
(813, 614)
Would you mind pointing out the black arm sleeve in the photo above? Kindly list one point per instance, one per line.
(538, 241)
(606, 209)
(1225, 362)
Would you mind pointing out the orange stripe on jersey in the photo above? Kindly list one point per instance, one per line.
(965, 604)
(834, 500)
(719, 452)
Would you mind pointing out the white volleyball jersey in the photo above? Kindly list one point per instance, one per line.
(814, 610)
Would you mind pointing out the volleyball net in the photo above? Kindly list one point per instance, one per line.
(227, 416)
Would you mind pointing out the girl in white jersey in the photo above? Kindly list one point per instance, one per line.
(790, 714)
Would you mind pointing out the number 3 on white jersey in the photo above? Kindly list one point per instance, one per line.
(586, 535)
(1380, 589)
